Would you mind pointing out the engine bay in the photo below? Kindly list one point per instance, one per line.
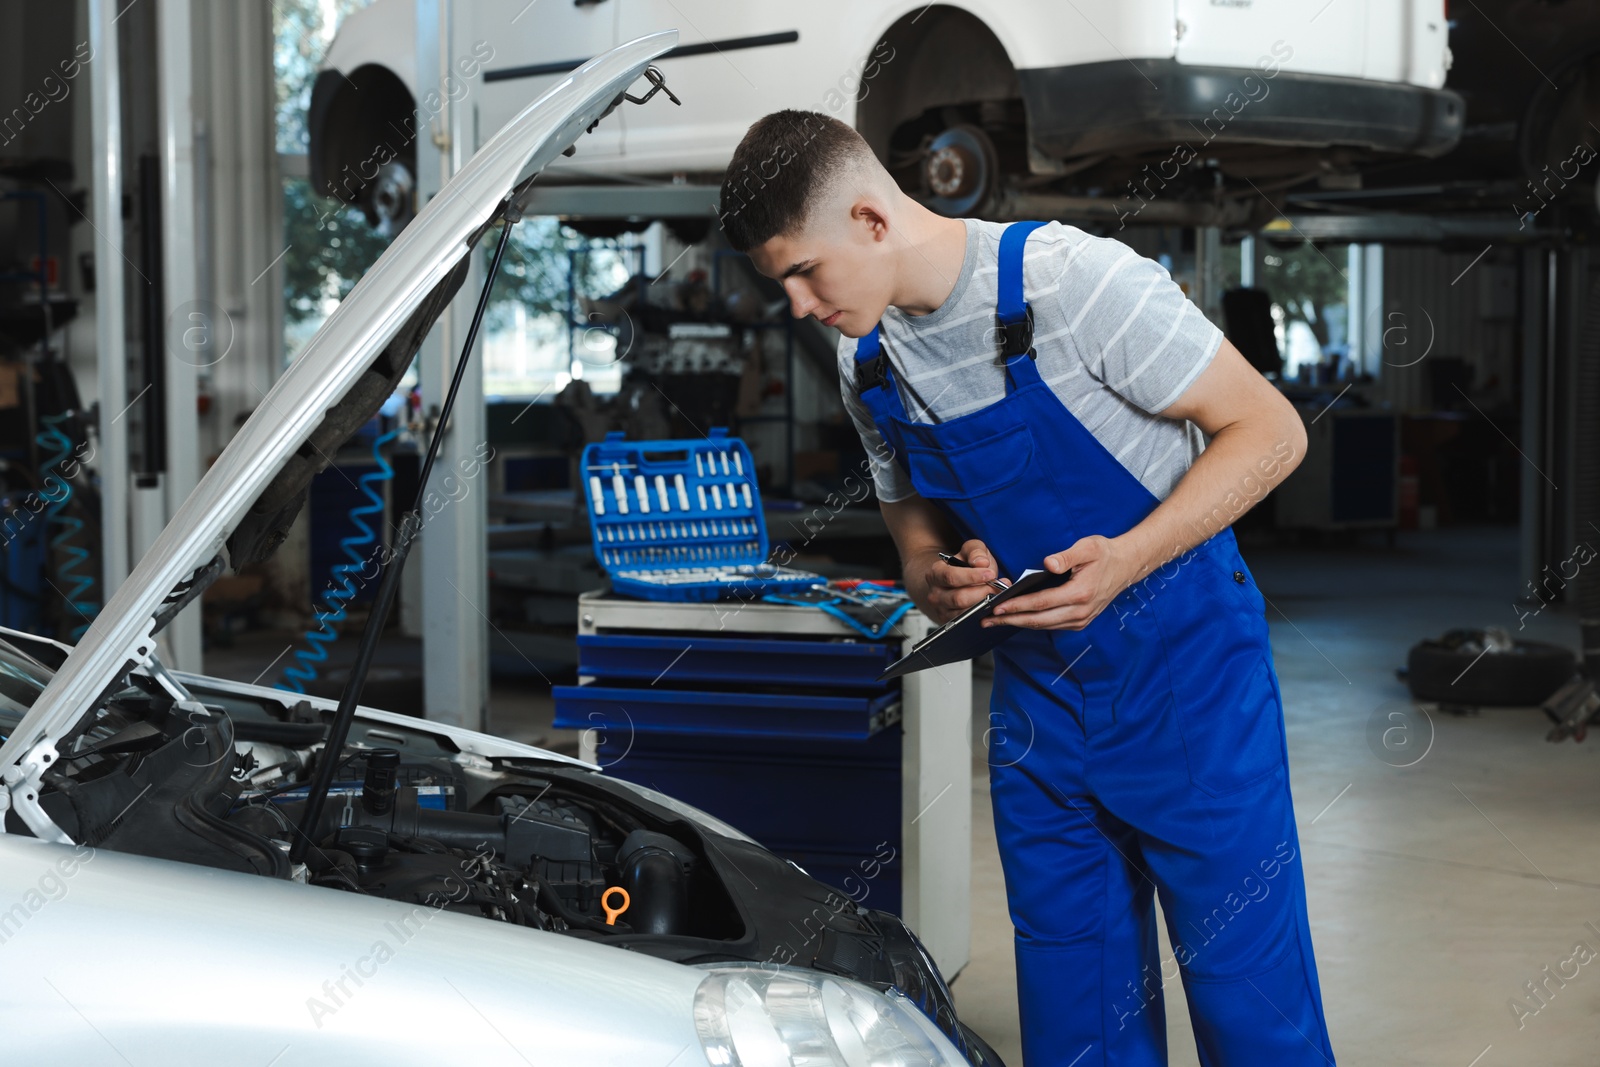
(525, 852)
(179, 779)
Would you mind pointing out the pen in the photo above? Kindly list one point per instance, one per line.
(957, 561)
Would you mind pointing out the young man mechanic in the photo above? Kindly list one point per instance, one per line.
(1048, 399)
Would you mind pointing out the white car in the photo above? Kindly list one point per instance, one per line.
(967, 102)
(169, 892)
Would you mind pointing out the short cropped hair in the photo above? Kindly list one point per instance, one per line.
(785, 162)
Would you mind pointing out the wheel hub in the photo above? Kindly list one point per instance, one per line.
(959, 170)
(393, 198)
(953, 170)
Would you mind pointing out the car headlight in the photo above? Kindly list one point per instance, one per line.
(771, 1016)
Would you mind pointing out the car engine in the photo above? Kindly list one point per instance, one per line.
(393, 830)
(537, 842)
(180, 780)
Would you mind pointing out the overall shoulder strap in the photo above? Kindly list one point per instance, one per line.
(1013, 316)
(874, 387)
(871, 362)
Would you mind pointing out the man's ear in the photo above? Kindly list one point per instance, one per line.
(867, 211)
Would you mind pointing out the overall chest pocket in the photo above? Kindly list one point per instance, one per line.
(965, 472)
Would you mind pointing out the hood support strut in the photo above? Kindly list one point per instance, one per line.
(410, 526)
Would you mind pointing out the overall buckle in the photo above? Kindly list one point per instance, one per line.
(1016, 337)
(870, 375)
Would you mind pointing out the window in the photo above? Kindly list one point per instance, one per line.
(557, 310)
(1310, 289)
(538, 334)
(329, 244)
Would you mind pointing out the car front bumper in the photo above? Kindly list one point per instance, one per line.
(1116, 106)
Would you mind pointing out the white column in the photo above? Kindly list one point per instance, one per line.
(455, 586)
(179, 254)
(1355, 302)
(936, 805)
(1372, 323)
(110, 321)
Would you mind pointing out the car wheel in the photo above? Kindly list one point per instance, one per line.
(390, 201)
(959, 170)
(355, 150)
(1457, 670)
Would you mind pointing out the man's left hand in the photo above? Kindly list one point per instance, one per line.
(1102, 567)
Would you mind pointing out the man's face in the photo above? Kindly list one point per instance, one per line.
(834, 273)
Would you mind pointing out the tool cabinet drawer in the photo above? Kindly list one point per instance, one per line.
(685, 659)
(628, 710)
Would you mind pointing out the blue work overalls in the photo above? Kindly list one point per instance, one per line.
(1142, 753)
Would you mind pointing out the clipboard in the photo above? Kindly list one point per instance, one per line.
(965, 636)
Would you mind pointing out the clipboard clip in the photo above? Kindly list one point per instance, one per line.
(962, 632)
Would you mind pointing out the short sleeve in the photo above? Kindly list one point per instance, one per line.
(1134, 328)
(889, 479)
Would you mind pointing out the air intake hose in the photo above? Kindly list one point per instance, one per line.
(655, 872)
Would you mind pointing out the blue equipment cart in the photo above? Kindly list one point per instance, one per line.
(770, 717)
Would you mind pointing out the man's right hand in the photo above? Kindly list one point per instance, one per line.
(941, 591)
(952, 589)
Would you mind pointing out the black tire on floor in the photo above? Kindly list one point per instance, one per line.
(1524, 677)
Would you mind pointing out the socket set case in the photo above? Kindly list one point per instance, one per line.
(681, 520)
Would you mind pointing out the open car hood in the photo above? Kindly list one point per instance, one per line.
(379, 323)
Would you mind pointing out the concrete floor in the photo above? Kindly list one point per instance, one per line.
(1436, 890)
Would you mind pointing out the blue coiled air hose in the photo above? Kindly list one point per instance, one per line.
(343, 587)
(76, 583)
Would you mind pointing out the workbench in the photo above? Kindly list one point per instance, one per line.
(775, 708)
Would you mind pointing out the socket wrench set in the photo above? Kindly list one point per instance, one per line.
(681, 520)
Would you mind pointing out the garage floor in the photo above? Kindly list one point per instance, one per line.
(1436, 890)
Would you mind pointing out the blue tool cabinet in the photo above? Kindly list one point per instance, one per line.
(771, 718)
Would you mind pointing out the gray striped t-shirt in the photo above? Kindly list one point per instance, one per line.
(1117, 341)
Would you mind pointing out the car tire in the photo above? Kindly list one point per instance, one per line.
(1455, 670)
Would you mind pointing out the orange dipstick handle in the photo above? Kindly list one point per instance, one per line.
(613, 912)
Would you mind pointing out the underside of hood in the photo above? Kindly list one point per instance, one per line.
(251, 493)
(265, 526)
